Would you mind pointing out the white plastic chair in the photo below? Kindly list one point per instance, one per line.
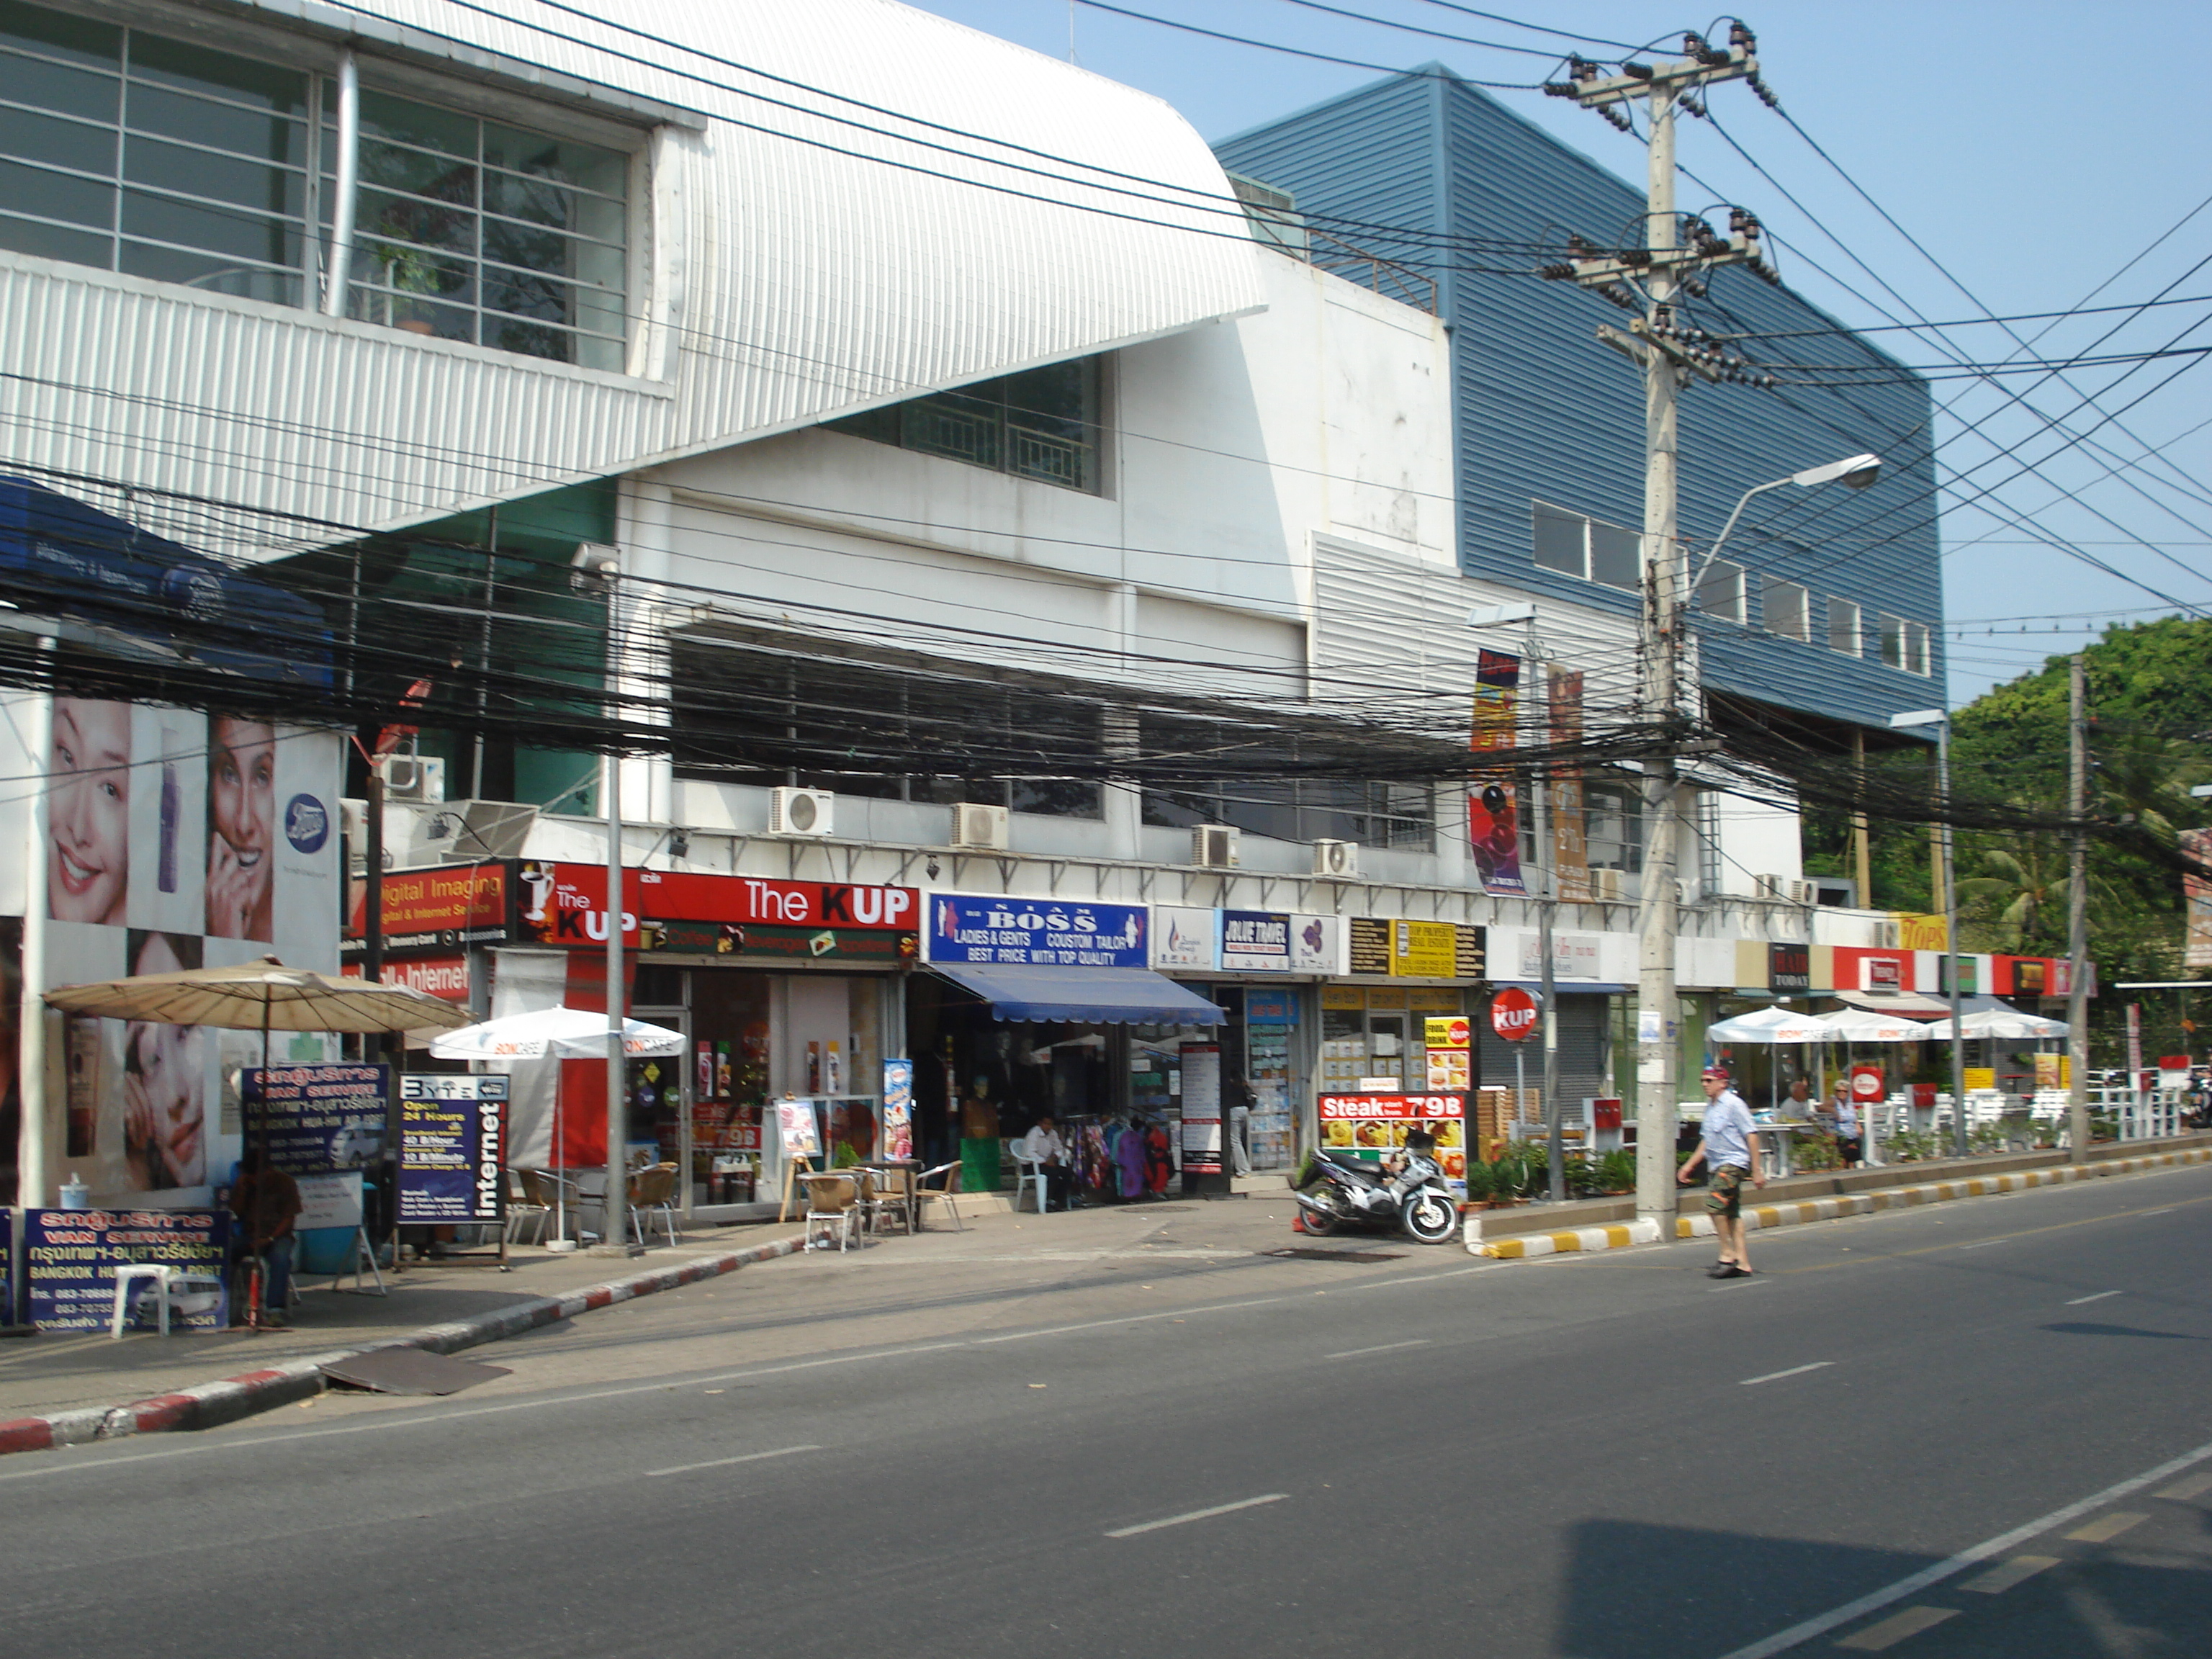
(177, 1288)
(1026, 1170)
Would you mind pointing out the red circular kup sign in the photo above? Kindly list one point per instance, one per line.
(1513, 1015)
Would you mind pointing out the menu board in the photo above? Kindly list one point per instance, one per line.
(1371, 1124)
(1201, 1108)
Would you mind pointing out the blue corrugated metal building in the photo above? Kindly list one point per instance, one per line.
(1840, 604)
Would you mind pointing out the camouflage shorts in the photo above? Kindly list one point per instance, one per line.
(1724, 1190)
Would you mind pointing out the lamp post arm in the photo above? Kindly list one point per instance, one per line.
(1697, 577)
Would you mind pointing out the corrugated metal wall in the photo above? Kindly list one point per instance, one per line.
(1546, 412)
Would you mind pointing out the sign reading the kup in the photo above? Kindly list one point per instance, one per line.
(453, 1142)
(1513, 1014)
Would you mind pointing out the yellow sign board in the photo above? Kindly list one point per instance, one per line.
(1424, 950)
(1981, 1077)
(1919, 932)
(2053, 1072)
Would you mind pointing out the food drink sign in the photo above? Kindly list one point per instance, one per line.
(453, 1146)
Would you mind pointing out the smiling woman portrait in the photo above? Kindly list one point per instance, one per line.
(241, 829)
(88, 808)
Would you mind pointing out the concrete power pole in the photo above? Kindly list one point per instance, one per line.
(2077, 916)
(1659, 270)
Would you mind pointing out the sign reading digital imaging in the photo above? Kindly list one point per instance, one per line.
(1039, 933)
(69, 1259)
(1255, 941)
(445, 909)
(453, 1144)
(317, 1119)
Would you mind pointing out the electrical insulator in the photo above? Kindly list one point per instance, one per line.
(1637, 71)
(1581, 69)
(1558, 273)
(1617, 119)
(1742, 38)
(1559, 89)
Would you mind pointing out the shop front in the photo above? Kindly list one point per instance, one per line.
(782, 989)
(1049, 1008)
(1405, 982)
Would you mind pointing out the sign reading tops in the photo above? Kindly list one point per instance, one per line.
(1040, 933)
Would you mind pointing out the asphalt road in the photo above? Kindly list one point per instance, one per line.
(1979, 1429)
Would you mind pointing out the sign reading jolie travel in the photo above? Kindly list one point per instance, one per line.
(453, 1142)
(1513, 1014)
(318, 1119)
(566, 904)
(1254, 941)
(69, 1259)
(1040, 933)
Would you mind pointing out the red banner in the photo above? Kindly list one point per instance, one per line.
(565, 904)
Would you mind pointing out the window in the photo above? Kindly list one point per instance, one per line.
(470, 230)
(1844, 627)
(1720, 591)
(1612, 825)
(1264, 795)
(1588, 547)
(1041, 424)
(1904, 645)
(128, 151)
(1787, 609)
(1271, 214)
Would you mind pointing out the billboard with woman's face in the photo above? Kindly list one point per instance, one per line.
(172, 840)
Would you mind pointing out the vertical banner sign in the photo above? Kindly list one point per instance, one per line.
(1570, 828)
(2197, 897)
(1201, 1109)
(898, 1108)
(69, 1259)
(1493, 808)
(453, 1145)
(2134, 1045)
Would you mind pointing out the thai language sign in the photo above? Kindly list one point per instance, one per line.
(69, 1259)
(317, 1119)
(1042, 933)
(453, 1142)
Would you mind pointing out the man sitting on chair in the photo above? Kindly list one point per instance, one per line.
(1043, 1146)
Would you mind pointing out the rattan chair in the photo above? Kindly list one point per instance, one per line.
(890, 1193)
(833, 1203)
(653, 1193)
(526, 1202)
(946, 1177)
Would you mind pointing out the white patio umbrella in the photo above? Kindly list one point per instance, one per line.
(564, 1033)
(1858, 1025)
(1770, 1025)
(2005, 1024)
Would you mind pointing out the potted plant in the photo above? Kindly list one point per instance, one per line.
(408, 271)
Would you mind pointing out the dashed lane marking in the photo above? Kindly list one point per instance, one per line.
(2077, 1301)
(724, 1462)
(1385, 1347)
(1878, 1638)
(1198, 1515)
(2106, 1527)
(2019, 1570)
(1776, 1377)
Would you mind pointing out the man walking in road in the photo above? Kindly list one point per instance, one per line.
(1728, 1148)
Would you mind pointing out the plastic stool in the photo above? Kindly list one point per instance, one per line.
(168, 1282)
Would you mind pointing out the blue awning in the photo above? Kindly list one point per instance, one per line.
(1090, 996)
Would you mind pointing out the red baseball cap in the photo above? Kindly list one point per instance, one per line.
(1714, 1074)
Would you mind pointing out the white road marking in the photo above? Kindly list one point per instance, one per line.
(1385, 1347)
(1776, 1377)
(1973, 1556)
(724, 1462)
(1130, 1319)
(1735, 1284)
(2100, 1297)
(1198, 1515)
(2140, 1214)
(1986, 1244)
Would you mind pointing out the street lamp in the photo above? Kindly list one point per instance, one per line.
(1856, 472)
(1940, 719)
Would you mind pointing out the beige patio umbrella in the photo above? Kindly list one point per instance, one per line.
(264, 996)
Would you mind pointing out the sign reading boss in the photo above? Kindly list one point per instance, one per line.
(1513, 1014)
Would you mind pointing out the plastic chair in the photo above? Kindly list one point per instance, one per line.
(835, 1201)
(1026, 1170)
(169, 1286)
(947, 1177)
(652, 1192)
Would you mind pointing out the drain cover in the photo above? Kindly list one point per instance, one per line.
(1307, 1253)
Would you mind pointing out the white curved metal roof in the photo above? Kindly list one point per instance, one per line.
(807, 256)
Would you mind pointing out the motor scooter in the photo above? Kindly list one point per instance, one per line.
(1335, 1189)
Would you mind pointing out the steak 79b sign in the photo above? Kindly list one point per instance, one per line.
(566, 904)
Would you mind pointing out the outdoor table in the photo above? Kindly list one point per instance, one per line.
(1781, 1129)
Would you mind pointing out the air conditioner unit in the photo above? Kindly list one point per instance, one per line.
(1804, 892)
(413, 777)
(1335, 858)
(1770, 887)
(1606, 886)
(1887, 935)
(1214, 846)
(800, 811)
(977, 825)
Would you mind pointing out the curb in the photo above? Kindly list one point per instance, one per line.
(1795, 1213)
(212, 1404)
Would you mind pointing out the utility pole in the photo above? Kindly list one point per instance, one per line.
(2077, 915)
(1660, 269)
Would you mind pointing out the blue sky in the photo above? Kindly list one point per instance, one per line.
(2033, 150)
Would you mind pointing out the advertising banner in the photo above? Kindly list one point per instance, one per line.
(318, 1119)
(1922, 932)
(1255, 941)
(443, 909)
(1790, 967)
(2197, 898)
(795, 1126)
(70, 1258)
(565, 905)
(1043, 933)
(1493, 810)
(444, 978)
(1183, 938)
(1423, 949)
(898, 1108)
(1450, 1040)
(1375, 1124)
(1570, 826)
(1202, 1146)
(1317, 945)
(1574, 956)
(453, 1144)
(766, 942)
